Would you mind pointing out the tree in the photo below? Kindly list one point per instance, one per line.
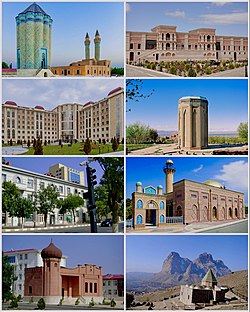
(5, 65)
(34, 143)
(71, 203)
(38, 147)
(134, 90)
(23, 209)
(115, 144)
(243, 131)
(137, 133)
(129, 208)
(153, 134)
(101, 200)
(10, 196)
(8, 278)
(113, 180)
(46, 200)
(28, 144)
(87, 147)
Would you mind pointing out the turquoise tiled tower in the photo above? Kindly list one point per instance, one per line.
(33, 38)
(97, 41)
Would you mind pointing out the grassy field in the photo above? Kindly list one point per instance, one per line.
(74, 149)
(133, 147)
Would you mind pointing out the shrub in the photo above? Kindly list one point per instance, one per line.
(60, 302)
(14, 302)
(92, 302)
(112, 303)
(31, 300)
(173, 70)
(77, 301)
(191, 72)
(41, 304)
(87, 147)
(208, 71)
(115, 144)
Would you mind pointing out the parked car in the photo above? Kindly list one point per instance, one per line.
(107, 222)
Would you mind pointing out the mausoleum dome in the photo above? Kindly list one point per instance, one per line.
(51, 252)
(213, 183)
(138, 183)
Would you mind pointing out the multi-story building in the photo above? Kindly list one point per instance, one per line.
(113, 286)
(22, 259)
(185, 201)
(164, 43)
(68, 181)
(96, 120)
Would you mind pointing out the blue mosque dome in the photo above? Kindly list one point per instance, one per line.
(160, 186)
(138, 183)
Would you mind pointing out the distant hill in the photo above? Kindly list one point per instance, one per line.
(176, 271)
(237, 280)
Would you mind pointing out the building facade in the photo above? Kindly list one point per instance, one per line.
(206, 293)
(96, 120)
(165, 43)
(193, 122)
(67, 182)
(113, 286)
(54, 282)
(185, 201)
(22, 259)
(88, 66)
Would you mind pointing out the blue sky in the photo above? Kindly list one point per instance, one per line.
(71, 21)
(42, 164)
(102, 250)
(50, 93)
(146, 253)
(159, 110)
(227, 18)
(229, 171)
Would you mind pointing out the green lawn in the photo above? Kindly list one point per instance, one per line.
(74, 149)
(133, 147)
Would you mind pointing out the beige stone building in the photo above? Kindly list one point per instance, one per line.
(97, 120)
(193, 122)
(208, 292)
(88, 66)
(165, 43)
(185, 202)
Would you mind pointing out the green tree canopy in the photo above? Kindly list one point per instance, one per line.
(140, 133)
(101, 200)
(24, 208)
(87, 146)
(10, 196)
(134, 90)
(129, 208)
(243, 131)
(46, 200)
(71, 203)
(5, 65)
(113, 180)
(8, 278)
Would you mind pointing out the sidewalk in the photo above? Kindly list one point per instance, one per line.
(49, 227)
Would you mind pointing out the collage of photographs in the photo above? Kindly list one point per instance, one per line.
(124, 155)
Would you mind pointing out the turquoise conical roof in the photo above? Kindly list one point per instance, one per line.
(35, 8)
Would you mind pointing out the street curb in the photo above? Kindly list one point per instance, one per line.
(43, 228)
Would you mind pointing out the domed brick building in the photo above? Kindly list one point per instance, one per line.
(54, 282)
(185, 202)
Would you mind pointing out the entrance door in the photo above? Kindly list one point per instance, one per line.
(156, 56)
(235, 56)
(65, 72)
(151, 216)
(131, 56)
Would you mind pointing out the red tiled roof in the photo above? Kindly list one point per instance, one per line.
(114, 91)
(39, 107)
(113, 276)
(10, 70)
(89, 103)
(10, 103)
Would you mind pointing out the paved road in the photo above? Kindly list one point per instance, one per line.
(232, 228)
(33, 306)
(237, 72)
(14, 150)
(82, 229)
(135, 71)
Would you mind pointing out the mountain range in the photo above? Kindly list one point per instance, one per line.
(176, 271)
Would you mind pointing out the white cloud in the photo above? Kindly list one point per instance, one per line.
(234, 175)
(176, 13)
(198, 169)
(224, 19)
(128, 7)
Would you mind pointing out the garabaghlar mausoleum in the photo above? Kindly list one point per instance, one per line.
(164, 43)
(33, 27)
(185, 201)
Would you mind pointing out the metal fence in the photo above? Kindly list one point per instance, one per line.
(174, 219)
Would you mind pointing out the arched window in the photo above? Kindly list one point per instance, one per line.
(162, 206)
(13, 134)
(162, 36)
(208, 47)
(151, 204)
(230, 213)
(235, 212)
(214, 213)
(208, 38)
(162, 218)
(18, 180)
(168, 46)
(139, 219)
(167, 36)
(172, 36)
(139, 204)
